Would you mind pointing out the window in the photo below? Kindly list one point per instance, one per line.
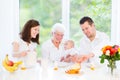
(48, 12)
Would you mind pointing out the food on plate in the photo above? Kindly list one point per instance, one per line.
(23, 68)
(92, 68)
(10, 65)
(55, 68)
(74, 69)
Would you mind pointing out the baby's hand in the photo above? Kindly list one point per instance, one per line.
(73, 58)
(68, 55)
(67, 60)
(62, 59)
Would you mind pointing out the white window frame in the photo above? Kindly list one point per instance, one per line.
(66, 16)
(115, 22)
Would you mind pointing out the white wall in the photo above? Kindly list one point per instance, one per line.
(9, 24)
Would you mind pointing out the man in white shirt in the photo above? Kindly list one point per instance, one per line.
(93, 40)
(53, 48)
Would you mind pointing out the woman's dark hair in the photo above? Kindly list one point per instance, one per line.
(86, 19)
(26, 31)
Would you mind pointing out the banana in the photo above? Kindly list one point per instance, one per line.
(6, 59)
(10, 68)
(18, 63)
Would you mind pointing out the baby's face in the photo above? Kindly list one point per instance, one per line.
(68, 45)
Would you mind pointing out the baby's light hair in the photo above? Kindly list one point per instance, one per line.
(72, 42)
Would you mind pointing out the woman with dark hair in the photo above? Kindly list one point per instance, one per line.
(24, 47)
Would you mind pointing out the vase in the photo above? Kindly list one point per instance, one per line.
(112, 66)
(114, 75)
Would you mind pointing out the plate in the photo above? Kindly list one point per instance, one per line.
(64, 64)
(77, 74)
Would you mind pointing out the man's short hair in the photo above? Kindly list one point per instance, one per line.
(86, 19)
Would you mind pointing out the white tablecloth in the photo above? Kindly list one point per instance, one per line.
(39, 73)
(28, 74)
(100, 73)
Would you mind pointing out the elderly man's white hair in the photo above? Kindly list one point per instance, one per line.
(58, 27)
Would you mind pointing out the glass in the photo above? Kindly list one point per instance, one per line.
(44, 65)
(55, 65)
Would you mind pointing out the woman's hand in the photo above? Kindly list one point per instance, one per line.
(24, 53)
(15, 46)
(20, 54)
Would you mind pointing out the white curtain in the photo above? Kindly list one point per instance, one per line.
(9, 25)
(115, 25)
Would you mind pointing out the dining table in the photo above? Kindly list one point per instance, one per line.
(46, 71)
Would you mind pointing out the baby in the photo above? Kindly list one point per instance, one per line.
(70, 51)
(72, 55)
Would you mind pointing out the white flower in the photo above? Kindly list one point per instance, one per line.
(118, 52)
(107, 53)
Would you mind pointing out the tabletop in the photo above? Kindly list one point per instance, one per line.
(48, 73)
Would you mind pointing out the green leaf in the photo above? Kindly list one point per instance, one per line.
(102, 60)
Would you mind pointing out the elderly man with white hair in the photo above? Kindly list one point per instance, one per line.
(52, 49)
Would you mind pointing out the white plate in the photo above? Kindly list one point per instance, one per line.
(64, 64)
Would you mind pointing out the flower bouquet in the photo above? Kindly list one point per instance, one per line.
(111, 54)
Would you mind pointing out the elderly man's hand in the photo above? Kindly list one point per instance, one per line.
(83, 58)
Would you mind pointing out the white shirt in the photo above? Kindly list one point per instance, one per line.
(31, 57)
(50, 52)
(71, 51)
(95, 46)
